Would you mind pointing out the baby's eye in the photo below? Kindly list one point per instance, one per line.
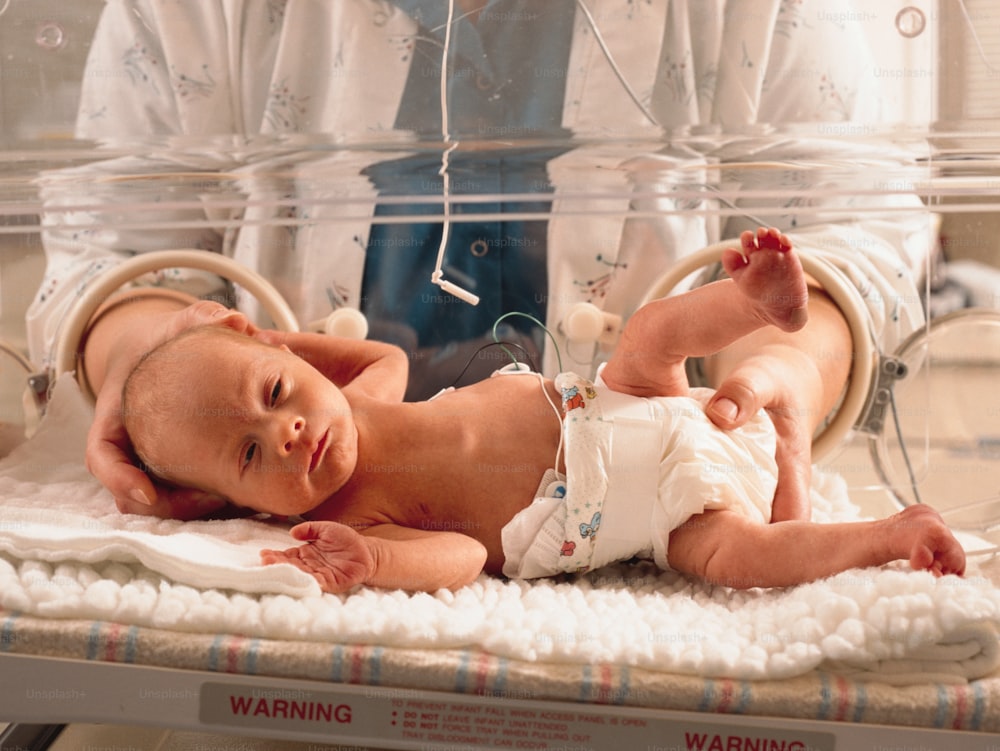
(250, 452)
(275, 392)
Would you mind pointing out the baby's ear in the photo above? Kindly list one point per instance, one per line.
(203, 504)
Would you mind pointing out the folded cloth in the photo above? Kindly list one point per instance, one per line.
(965, 652)
(65, 552)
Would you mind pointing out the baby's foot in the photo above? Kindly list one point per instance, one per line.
(770, 276)
(925, 539)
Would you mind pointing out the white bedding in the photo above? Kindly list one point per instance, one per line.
(65, 552)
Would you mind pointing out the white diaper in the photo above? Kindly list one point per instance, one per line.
(637, 468)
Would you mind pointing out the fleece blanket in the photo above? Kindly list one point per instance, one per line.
(65, 552)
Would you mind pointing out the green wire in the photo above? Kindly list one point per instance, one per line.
(555, 344)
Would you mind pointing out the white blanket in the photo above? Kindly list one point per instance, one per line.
(65, 552)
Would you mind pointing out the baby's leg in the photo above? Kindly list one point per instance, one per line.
(726, 548)
(768, 287)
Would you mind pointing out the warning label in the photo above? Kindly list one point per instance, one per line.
(402, 719)
(492, 726)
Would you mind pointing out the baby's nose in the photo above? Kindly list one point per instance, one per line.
(291, 435)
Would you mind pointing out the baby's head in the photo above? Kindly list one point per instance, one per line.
(222, 412)
(153, 404)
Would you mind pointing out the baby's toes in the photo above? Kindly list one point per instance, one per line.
(934, 547)
(952, 558)
(734, 262)
(921, 558)
(772, 239)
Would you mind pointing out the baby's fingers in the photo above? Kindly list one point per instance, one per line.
(333, 534)
(328, 582)
(270, 557)
(337, 556)
(306, 531)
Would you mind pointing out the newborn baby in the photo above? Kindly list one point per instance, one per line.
(518, 474)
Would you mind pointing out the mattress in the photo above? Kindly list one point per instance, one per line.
(817, 695)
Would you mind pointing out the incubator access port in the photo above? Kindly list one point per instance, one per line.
(16, 422)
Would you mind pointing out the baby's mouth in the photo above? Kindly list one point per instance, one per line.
(318, 453)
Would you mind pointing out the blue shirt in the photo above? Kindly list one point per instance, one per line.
(506, 84)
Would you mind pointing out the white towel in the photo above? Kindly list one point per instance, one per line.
(67, 553)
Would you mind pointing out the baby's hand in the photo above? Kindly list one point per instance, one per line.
(334, 554)
(109, 454)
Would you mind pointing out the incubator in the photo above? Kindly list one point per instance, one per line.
(480, 182)
(625, 191)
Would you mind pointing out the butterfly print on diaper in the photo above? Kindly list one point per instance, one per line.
(590, 530)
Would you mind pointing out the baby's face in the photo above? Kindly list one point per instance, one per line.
(260, 426)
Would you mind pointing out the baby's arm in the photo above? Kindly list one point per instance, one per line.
(385, 555)
(375, 369)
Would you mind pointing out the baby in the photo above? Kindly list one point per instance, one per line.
(516, 475)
